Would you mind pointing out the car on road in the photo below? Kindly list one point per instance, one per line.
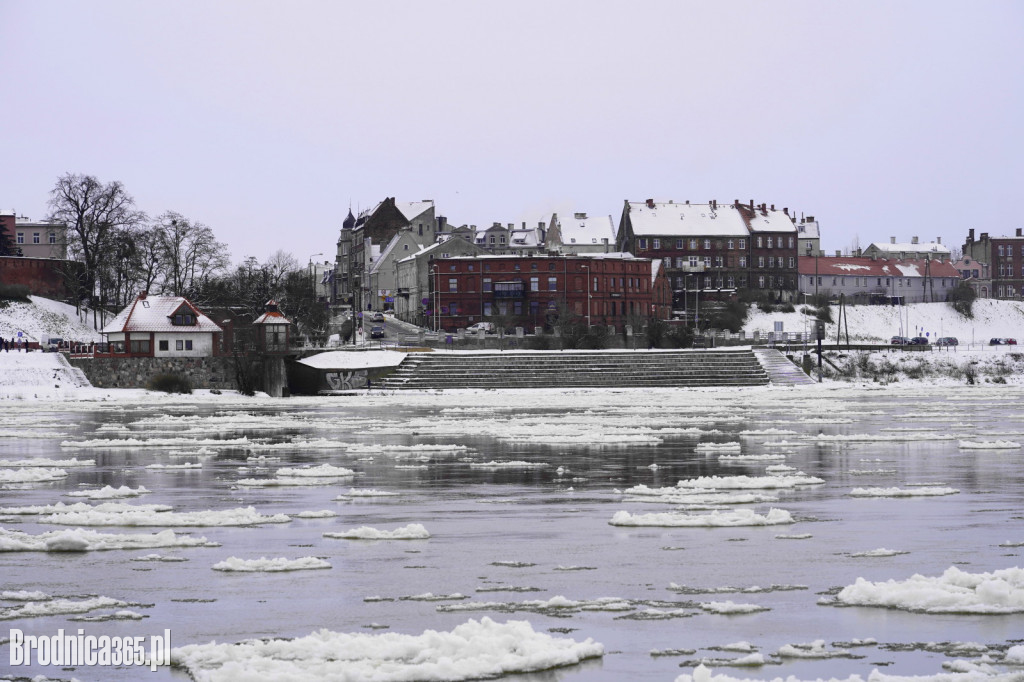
(377, 332)
(899, 341)
(919, 341)
(377, 317)
(1002, 341)
(481, 328)
(947, 341)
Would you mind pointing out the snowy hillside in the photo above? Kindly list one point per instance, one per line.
(871, 323)
(43, 318)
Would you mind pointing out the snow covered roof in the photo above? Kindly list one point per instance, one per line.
(525, 237)
(927, 247)
(411, 209)
(808, 230)
(697, 220)
(578, 228)
(882, 267)
(156, 314)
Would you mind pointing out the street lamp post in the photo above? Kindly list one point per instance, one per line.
(587, 268)
(436, 315)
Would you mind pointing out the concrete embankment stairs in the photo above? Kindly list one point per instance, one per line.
(580, 369)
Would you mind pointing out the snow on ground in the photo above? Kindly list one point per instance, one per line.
(473, 650)
(265, 565)
(877, 323)
(43, 318)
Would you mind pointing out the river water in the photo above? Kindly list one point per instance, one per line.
(516, 490)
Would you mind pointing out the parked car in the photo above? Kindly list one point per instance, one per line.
(481, 328)
(377, 317)
(52, 345)
(947, 341)
(899, 341)
(377, 332)
(919, 341)
(1002, 341)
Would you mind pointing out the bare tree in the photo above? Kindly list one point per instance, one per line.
(190, 253)
(94, 211)
(278, 265)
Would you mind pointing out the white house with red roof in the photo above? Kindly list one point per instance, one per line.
(162, 326)
(878, 280)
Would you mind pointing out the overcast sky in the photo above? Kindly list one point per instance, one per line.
(266, 120)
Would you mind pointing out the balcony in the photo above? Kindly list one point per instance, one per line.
(509, 289)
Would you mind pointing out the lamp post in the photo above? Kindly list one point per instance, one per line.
(436, 315)
(587, 268)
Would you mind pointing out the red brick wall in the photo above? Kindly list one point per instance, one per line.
(43, 276)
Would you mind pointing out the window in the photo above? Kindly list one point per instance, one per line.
(731, 244)
(138, 347)
(642, 243)
(679, 262)
(718, 261)
(769, 242)
(501, 239)
(693, 244)
(182, 319)
(471, 267)
(771, 261)
(790, 242)
(517, 267)
(163, 345)
(533, 266)
(188, 344)
(53, 237)
(491, 240)
(1000, 249)
(596, 288)
(551, 266)
(792, 263)
(535, 284)
(679, 243)
(732, 282)
(517, 307)
(759, 245)
(707, 244)
(179, 345)
(743, 261)
(656, 243)
(534, 308)
(35, 238)
(760, 261)
(760, 282)
(453, 284)
(707, 261)
(487, 309)
(743, 243)
(21, 238)
(453, 308)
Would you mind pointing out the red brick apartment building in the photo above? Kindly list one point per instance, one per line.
(523, 291)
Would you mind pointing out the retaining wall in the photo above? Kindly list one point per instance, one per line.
(212, 372)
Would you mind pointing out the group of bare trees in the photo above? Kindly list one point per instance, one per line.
(124, 251)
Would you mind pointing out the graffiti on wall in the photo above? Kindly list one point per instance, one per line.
(342, 381)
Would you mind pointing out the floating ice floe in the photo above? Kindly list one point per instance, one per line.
(750, 482)
(729, 608)
(473, 650)
(903, 492)
(243, 516)
(814, 650)
(508, 464)
(24, 595)
(103, 507)
(955, 591)
(880, 552)
(183, 465)
(711, 448)
(81, 540)
(555, 605)
(414, 531)
(887, 438)
(32, 475)
(694, 497)
(322, 514)
(736, 517)
(366, 492)
(141, 443)
(794, 536)
(322, 471)
(43, 462)
(751, 458)
(160, 557)
(978, 445)
(54, 607)
(265, 565)
(729, 589)
(109, 493)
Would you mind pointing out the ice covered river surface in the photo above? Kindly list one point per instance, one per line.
(671, 527)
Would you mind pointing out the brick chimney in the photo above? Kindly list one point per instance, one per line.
(970, 235)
